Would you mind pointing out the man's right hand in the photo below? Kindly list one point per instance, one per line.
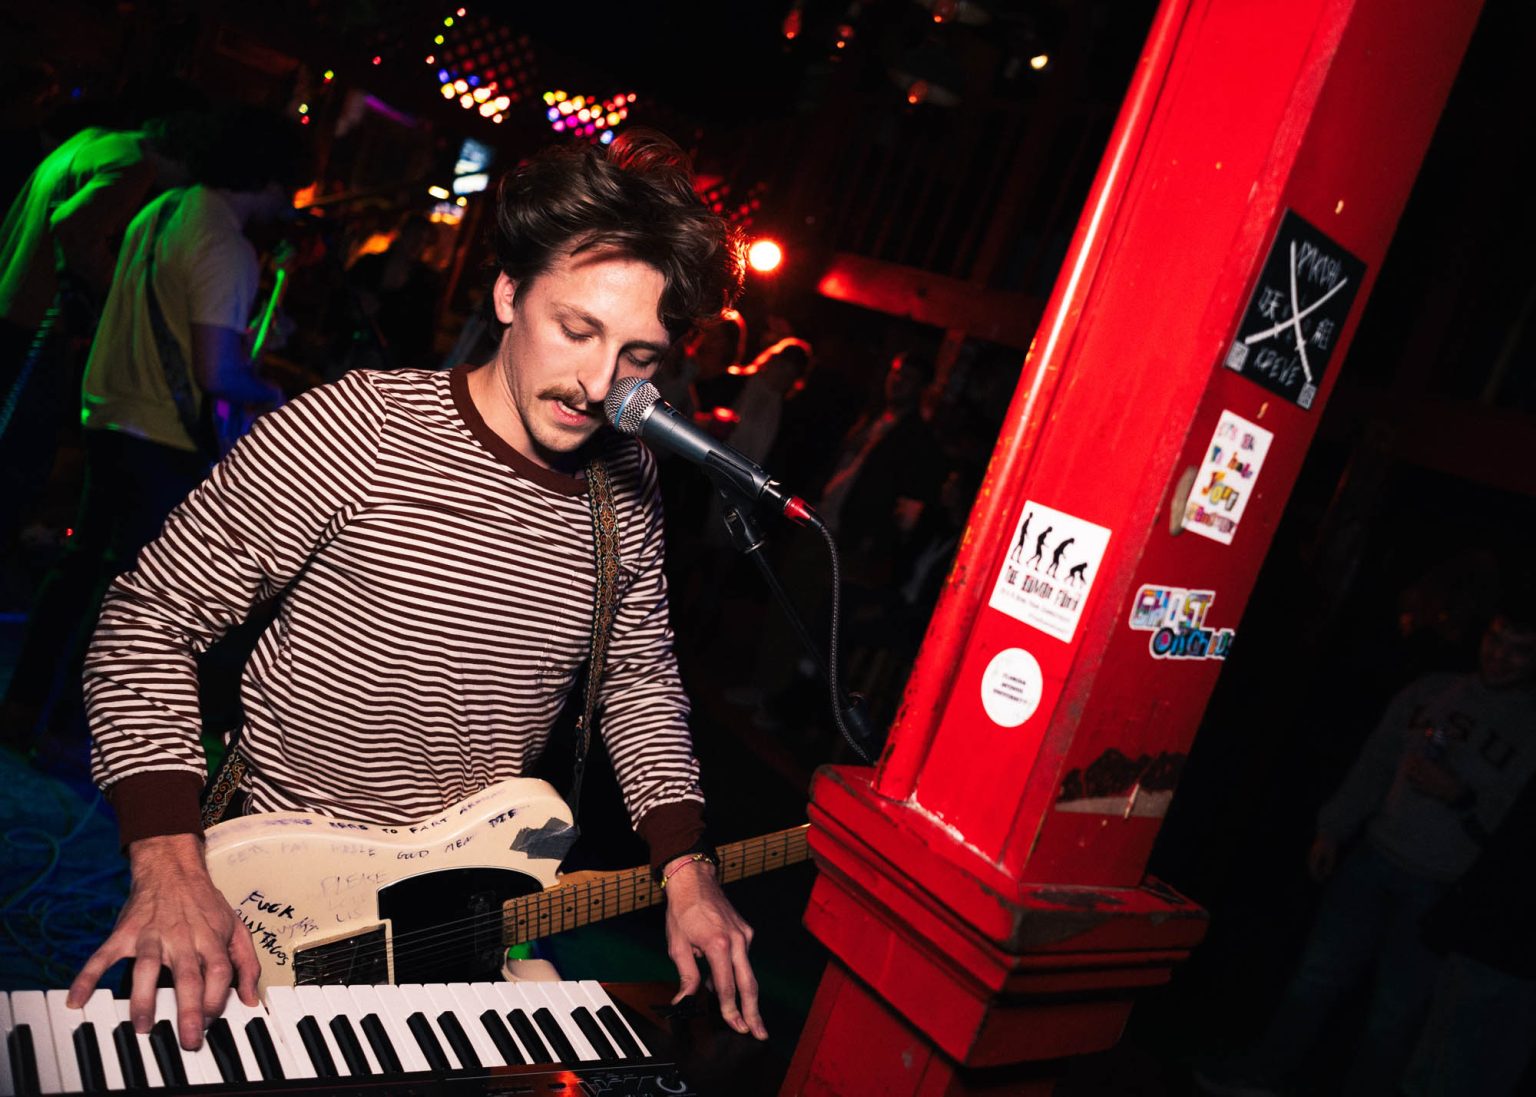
(1322, 857)
(175, 918)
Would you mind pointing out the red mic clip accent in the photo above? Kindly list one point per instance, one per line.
(799, 511)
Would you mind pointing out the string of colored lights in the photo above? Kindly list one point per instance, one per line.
(584, 116)
(482, 63)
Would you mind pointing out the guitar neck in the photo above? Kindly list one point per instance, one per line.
(268, 314)
(609, 894)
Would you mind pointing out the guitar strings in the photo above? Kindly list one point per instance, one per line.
(552, 911)
(445, 938)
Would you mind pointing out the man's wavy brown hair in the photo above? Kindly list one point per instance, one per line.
(636, 197)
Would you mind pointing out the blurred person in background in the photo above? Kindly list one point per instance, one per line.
(58, 248)
(173, 337)
(1430, 784)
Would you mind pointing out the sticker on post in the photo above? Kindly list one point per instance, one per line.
(1296, 312)
(1011, 687)
(1227, 478)
(1117, 784)
(1176, 619)
(1050, 568)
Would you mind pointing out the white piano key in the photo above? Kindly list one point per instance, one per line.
(312, 1001)
(146, 1050)
(291, 1067)
(419, 999)
(283, 1013)
(63, 1021)
(103, 1018)
(393, 1010)
(200, 1065)
(365, 999)
(569, 997)
(597, 998)
(7, 1085)
(30, 1007)
(237, 1013)
(490, 999)
(548, 995)
(467, 1008)
(513, 998)
(340, 1003)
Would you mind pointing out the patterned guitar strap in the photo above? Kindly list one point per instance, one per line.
(605, 597)
(221, 790)
(218, 793)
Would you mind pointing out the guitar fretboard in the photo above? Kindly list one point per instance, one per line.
(571, 906)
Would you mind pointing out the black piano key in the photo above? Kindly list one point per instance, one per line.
(162, 1040)
(421, 1028)
(383, 1050)
(593, 1032)
(221, 1043)
(627, 1044)
(497, 1030)
(351, 1050)
(314, 1043)
(93, 1077)
(458, 1039)
(23, 1060)
(267, 1059)
(537, 1052)
(564, 1052)
(128, 1056)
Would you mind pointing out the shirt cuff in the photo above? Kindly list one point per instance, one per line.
(149, 805)
(672, 830)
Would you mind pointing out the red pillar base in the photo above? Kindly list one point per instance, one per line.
(934, 1001)
(888, 1055)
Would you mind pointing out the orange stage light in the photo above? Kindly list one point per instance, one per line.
(764, 256)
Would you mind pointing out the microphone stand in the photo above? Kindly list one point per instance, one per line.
(747, 537)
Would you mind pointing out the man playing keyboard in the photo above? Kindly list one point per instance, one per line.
(431, 541)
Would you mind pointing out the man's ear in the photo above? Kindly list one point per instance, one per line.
(502, 294)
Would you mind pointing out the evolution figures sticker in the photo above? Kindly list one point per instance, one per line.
(1176, 619)
(1227, 478)
(1011, 687)
(1049, 570)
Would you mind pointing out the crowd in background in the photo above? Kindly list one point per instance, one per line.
(866, 418)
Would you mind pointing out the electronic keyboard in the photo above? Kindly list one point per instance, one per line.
(525, 1037)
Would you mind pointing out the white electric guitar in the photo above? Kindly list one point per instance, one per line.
(330, 901)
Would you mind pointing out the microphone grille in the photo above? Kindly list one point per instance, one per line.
(628, 401)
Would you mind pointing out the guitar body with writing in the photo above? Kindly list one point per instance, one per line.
(332, 901)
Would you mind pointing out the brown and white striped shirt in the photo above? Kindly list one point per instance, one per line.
(437, 611)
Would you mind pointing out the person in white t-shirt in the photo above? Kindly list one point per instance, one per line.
(184, 256)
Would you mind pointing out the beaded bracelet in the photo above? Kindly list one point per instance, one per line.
(692, 859)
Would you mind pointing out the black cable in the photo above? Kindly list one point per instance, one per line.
(832, 663)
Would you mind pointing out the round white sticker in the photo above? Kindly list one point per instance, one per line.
(1010, 689)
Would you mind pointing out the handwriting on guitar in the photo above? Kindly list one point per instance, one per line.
(336, 885)
(264, 938)
(353, 849)
(278, 908)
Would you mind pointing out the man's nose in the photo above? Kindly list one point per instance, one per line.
(598, 379)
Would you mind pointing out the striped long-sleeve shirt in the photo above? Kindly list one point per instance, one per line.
(437, 592)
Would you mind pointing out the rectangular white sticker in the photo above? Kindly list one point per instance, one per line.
(1227, 478)
(1049, 570)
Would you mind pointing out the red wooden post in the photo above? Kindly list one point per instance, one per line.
(983, 890)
